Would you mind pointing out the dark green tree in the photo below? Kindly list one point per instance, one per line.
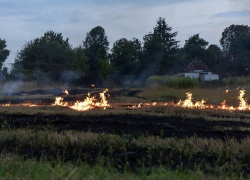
(4, 53)
(96, 46)
(160, 49)
(5, 73)
(195, 47)
(48, 57)
(240, 53)
(213, 57)
(235, 46)
(124, 57)
(230, 34)
(80, 61)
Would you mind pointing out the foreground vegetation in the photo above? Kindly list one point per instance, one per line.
(32, 153)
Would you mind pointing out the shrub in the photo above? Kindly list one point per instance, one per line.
(236, 81)
(172, 81)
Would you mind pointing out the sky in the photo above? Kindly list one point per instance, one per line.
(25, 20)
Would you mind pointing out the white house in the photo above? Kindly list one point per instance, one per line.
(198, 69)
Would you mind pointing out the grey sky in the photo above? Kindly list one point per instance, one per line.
(24, 20)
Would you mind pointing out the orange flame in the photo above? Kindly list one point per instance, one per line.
(59, 102)
(89, 103)
(66, 91)
(243, 103)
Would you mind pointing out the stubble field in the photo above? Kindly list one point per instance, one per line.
(123, 141)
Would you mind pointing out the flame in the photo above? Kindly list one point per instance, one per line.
(22, 104)
(104, 103)
(188, 102)
(223, 105)
(101, 102)
(59, 102)
(66, 91)
(92, 85)
(85, 105)
(243, 103)
(227, 91)
(89, 103)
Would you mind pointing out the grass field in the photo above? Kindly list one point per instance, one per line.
(152, 142)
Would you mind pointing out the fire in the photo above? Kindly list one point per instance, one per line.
(92, 85)
(85, 105)
(223, 105)
(22, 104)
(243, 103)
(189, 103)
(89, 103)
(59, 102)
(227, 91)
(66, 91)
(101, 102)
(201, 104)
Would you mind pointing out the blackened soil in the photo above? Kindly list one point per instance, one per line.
(59, 91)
(82, 93)
(135, 125)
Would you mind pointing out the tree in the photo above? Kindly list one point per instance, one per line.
(235, 46)
(195, 47)
(80, 61)
(230, 34)
(160, 49)
(240, 53)
(45, 58)
(96, 46)
(124, 57)
(4, 53)
(5, 72)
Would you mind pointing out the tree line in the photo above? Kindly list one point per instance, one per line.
(52, 58)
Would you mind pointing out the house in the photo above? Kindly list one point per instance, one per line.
(198, 69)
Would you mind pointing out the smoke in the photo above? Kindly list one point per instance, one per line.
(11, 87)
(69, 76)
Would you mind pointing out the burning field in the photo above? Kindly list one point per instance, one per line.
(101, 102)
(121, 129)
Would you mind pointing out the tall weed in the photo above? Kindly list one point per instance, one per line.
(178, 82)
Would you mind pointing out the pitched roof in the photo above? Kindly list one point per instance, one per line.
(197, 64)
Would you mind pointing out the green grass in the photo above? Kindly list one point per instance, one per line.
(14, 168)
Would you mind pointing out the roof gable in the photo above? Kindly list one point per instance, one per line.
(197, 64)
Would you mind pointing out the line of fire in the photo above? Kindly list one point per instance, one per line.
(101, 102)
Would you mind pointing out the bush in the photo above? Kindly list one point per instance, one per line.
(236, 81)
(172, 81)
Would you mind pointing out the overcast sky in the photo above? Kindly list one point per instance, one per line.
(24, 20)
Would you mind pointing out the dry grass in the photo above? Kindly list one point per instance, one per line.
(213, 96)
(75, 138)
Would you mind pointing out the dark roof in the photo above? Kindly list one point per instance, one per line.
(197, 64)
